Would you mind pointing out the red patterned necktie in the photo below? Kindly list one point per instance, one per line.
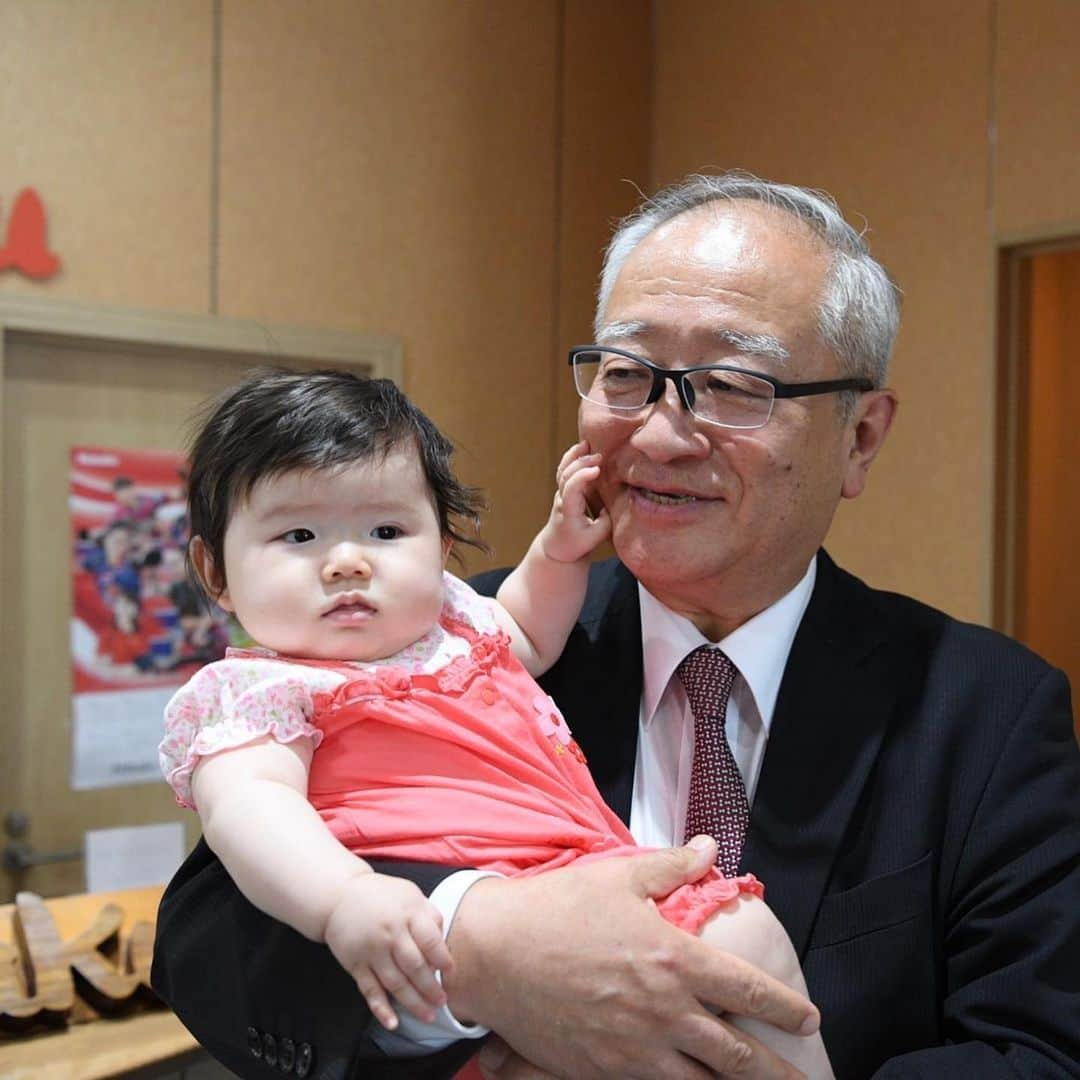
(717, 804)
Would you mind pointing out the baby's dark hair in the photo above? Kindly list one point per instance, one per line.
(277, 420)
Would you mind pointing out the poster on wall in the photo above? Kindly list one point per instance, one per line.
(138, 628)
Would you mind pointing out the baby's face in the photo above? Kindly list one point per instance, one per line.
(342, 564)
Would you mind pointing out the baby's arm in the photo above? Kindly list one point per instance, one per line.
(539, 602)
(256, 818)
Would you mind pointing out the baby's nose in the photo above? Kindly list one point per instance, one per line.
(346, 561)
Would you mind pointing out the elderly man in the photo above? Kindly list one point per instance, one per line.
(907, 787)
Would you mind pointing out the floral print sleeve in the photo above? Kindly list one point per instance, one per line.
(233, 702)
(462, 603)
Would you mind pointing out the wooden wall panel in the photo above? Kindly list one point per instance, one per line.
(1037, 91)
(106, 110)
(886, 108)
(604, 162)
(391, 167)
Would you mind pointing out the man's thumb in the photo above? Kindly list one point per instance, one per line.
(492, 1057)
(664, 871)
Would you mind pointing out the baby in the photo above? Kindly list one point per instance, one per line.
(390, 711)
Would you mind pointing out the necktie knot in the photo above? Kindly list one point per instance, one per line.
(707, 676)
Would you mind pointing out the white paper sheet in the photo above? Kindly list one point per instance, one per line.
(128, 858)
(115, 738)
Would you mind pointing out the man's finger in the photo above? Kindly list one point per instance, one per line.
(730, 1052)
(498, 1062)
(658, 873)
(492, 1056)
(737, 987)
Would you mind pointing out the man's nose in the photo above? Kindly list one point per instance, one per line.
(346, 560)
(668, 429)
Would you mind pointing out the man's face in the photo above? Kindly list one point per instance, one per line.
(719, 523)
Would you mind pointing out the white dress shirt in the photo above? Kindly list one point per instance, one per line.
(759, 649)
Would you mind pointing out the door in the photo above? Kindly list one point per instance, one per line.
(1039, 519)
(57, 397)
(111, 390)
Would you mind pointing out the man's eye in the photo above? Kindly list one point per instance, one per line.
(627, 371)
(386, 532)
(298, 536)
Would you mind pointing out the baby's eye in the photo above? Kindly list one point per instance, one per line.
(298, 536)
(386, 532)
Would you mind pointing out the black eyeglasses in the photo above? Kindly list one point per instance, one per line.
(715, 393)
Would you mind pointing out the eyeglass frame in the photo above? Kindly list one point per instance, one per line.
(678, 376)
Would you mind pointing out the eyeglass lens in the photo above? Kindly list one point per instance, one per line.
(721, 397)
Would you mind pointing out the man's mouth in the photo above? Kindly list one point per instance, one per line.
(664, 498)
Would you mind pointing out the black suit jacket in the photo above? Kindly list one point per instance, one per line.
(916, 824)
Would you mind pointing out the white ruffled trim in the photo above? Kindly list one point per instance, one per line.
(179, 777)
(208, 714)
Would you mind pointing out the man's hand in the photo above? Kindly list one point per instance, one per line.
(498, 1062)
(575, 969)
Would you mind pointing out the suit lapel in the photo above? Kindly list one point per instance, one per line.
(834, 705)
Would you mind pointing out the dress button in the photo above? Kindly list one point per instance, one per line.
(488, 695)
(269, 1049)
(304, 1060)
(286, 1057)
(254, 1042)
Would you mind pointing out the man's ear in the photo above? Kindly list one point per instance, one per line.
(212, 581)
(874, 416)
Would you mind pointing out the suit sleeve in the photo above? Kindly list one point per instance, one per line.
(234, 976)
(254, 992)
(1011, 957)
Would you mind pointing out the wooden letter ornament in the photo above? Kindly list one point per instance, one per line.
(47, 979)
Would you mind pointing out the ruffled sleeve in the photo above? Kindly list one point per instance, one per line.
(462, 603)
(233, 702)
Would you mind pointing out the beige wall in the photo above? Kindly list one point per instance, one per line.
(391, 167)
(446, 173)
(106, 110)
(438, 172)
(950, 128)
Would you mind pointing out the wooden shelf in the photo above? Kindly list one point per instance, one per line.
(102, 1049)
(91, 1047)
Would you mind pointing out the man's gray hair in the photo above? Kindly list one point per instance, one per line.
(860, 311)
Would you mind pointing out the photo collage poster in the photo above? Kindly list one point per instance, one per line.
(139, 629)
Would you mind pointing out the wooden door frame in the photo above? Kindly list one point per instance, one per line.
(162, 335)
(1013, 258)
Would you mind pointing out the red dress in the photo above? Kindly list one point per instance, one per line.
(472, 766)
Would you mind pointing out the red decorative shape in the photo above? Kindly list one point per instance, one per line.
(25, 247)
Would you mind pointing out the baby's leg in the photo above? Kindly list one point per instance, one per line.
(747, 928)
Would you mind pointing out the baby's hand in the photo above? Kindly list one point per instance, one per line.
(388, 936)
(573, 530)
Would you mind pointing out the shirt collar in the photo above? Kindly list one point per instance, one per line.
(759, 648)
